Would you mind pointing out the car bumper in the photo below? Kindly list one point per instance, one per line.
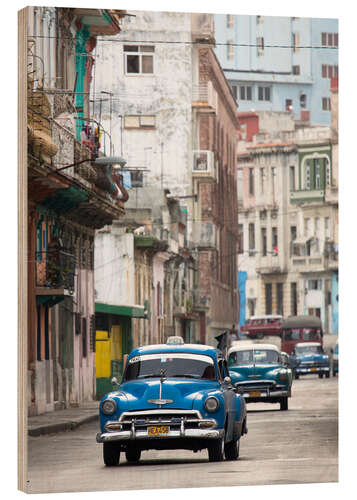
(300, 370)
(143, 435)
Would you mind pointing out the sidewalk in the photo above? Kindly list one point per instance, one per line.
(63, 420)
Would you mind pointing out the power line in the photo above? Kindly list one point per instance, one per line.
(193, 42)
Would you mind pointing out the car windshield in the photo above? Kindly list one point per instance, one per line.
(187, 365)
(309, 349)
(253, 356)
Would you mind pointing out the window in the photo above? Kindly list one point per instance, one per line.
(264, 93)
(296, 70)
(245, 92)
(139, 59)
(329, 39)
(296, 42)
(317, 176)
(268, 298)
(302, 100)
(230, 21)
(292, 178)
(326, 104)
(274, 239)
(280, 298)
(230, 50)
(137, 178)
(139, 121)
(240, 238)
(262, 176)
(293, 300)
(251, 231)
(329, 71)
(260, 46)
(251, 181)
(288, 105)
(273, 174)
(307, 227)
(314, 284)
(264, 241)
(235, 91)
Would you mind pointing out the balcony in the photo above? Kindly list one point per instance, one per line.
(55, 276)
(307, 196)
(203, 166)
(307, 264)
(205, 235)
(204, 98)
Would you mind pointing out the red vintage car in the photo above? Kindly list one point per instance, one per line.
(297, 329)
(260, 326)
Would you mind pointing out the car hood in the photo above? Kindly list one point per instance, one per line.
(177, 393)
(312, 357)
(257, 371)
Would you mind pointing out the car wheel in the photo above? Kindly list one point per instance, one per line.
(111, 454)
(216, 450)
(334, 374)
(327, 375)
(260, 335)
(284, 403)
(296, 376)
(231, 450)
(321, 375)
(133, 454)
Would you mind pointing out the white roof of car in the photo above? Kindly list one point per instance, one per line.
(308, 344)
(243, 346)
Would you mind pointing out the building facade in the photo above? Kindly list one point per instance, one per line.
(68, 199)
(173, 117)
(287, 220)
(280, 63)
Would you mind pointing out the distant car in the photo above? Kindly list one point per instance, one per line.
(334, 353)
(260, 326)
(308, 358)
(260, 373)
(173, 396)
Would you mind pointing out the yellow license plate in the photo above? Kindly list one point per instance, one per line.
(313, 369)
(254, 394)
(158, 430)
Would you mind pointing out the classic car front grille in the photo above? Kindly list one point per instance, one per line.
(256, 385)
(142, 419)
(310, 364)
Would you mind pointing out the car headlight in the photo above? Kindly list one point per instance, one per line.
(109, 406)
(283, 376)
(211, 404)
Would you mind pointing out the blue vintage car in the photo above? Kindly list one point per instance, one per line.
(173, 396)
(260, 373)
(309, 358)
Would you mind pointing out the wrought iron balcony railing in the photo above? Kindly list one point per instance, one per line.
(55, 269)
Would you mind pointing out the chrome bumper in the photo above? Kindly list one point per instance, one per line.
(143, 434)
(312, 369)
(266, 394)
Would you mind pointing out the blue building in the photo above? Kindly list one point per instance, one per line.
(280, 63)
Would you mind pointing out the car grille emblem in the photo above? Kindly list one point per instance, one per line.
(160, 401)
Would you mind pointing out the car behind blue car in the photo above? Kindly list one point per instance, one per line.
(260, 373)
(173, 396)
(309, 358)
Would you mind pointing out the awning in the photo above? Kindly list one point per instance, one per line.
(134, 311)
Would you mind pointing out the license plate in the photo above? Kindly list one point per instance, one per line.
(313, 369)
(255, 394)
(158, 430)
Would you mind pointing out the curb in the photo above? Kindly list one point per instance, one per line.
(60, 426)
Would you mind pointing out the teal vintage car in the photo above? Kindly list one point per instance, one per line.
(260, 372)
(173, 396)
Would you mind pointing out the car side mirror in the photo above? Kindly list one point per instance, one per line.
(114, 381)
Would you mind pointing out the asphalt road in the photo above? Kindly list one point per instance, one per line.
(282, 447)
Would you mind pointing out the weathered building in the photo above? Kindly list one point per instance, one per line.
(287, 217)
(173, 117)
(69, 197)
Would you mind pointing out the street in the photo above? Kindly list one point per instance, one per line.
(282, 447)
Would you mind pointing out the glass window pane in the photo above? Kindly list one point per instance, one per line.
(147, 64)
(132, 64)
(249, 93)
(131, 48)
(131, 121)
(147, 48)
